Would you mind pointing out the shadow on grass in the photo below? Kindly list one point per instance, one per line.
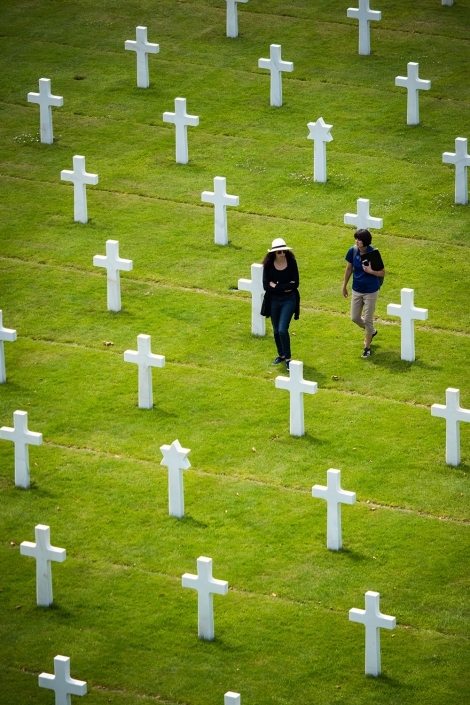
(191, 521)
(353, 555)
(312, 374)
(394, 363)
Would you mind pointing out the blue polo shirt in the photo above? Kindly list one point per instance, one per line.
(363, 282)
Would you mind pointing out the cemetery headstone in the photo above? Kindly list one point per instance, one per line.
(113, 264)
(8, 335)
(447, 2)
(362, 220)
(453, 414)
(320, 133)
(334, 496)
(142, 49)
(275, 65)
(297, 387)
(231, 698)
(145, 360)
(373, 620)
(44, 553)
(255, 286)
(232, 17)
(46, 100)
(221, 199)
(413, 84)
(461, 159)
(181, 120)
(365, 15)
(206, 586)
(408, 313)
(80, 178)
(61, 683)
(21, 437)
(175, 458)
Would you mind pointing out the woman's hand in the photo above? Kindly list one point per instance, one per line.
(273, 284)
(367, 268)
(345, 292)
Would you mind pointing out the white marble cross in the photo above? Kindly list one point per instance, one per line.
(113, 264)
(9, 335)
(408, 313)
(221, 199)
(364, 14)
(21, 437)
(276, 66)
(461, 159)
(453, 414)
(46, 100)
(175, 458)
(413, 84)
(44, 553)
(447, 2)
(232, 17)
(142, 48)
(79, 177)
(297, 387)
(363, 220)
(320, 133)
(255, 285)
(334, 496)
(206, 586)
(231, 698)
(61, 683)
(181, 121)
(373, 620)
(145, 360)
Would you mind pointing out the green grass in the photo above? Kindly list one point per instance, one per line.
(282, 632)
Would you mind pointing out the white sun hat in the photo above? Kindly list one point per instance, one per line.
(279, 244)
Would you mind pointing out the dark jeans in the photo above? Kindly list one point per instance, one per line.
(282, 310)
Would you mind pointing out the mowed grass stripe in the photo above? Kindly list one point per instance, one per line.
(223, 418)
(90, 501)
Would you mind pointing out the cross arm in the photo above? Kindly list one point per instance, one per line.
(356, 615)
(385, 621)
(245, 285)
(449, 157)
(189, 580)
(319, 491)
(169, 117)
(27, 548)
(352, 12)
(192, 120)
(231, 200)
(34, 439)
(347, 497)
(8, 334)
(436, 410)
(282, 383)
(219, 587)
(208, 197)
(265, 64)
(401, 81)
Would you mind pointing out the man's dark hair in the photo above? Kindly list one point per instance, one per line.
(364, 236)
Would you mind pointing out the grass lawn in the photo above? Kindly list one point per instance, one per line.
(282, 633)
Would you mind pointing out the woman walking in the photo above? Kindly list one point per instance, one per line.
(282, 299)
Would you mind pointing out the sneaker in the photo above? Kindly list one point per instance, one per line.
(278, 360)
(287, 365)
(366, 352)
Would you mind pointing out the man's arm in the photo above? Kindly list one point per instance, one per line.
(347, 276)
